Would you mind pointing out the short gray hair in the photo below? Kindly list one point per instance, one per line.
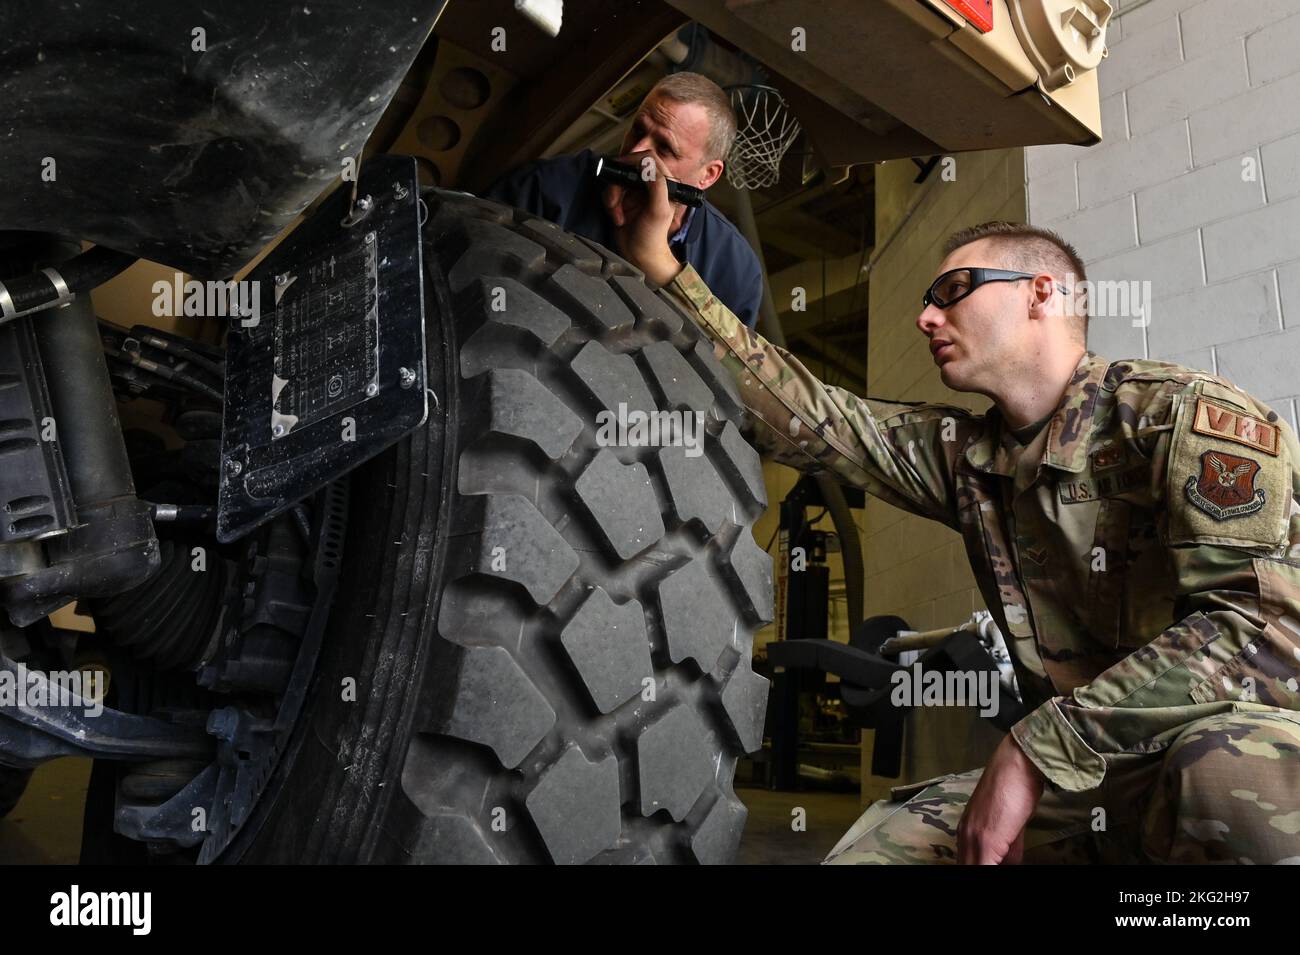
(697, 88)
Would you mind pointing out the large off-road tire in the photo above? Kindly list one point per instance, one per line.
(550, 639)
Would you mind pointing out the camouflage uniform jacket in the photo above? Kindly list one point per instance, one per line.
(1141, 554)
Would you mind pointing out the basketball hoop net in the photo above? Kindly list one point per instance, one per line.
(765, 129)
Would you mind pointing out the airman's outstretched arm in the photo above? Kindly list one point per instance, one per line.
(902, 453)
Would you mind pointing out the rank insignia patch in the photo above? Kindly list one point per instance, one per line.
(1225, 488)
(1108, 456)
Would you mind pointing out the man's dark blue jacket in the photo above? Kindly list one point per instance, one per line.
(564, 190)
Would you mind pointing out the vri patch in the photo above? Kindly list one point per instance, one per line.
(1225, 488)
(1231, 425)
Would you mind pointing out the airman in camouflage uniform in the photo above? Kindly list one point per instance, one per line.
(1142, 556)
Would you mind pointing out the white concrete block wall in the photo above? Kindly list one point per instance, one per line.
(917, 568)
(1195, 188)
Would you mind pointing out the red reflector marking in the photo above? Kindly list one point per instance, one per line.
(978, 12)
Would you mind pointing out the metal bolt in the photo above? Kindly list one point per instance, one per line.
(222, 723)
(233, 466)
(364, 203)
(277, 429)
(407, 377)
(372, 389)
(370, 237)
(282, 278)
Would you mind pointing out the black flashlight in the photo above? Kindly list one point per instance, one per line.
(608, 170)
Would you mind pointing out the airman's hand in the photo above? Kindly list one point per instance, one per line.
(992, 829)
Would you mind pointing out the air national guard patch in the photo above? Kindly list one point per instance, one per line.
(1225, 488)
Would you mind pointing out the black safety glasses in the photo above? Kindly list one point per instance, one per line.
(955, 284)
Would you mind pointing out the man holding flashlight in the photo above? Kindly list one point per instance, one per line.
(686, 124)
(1134, 528)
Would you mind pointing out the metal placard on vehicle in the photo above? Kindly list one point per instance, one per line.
(330, 368)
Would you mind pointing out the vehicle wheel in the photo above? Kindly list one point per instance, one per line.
(550, 639)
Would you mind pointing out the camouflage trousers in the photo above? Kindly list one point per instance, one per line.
(1227, 791)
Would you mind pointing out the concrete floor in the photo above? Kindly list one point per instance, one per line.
(769, 839)
(45, 827)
